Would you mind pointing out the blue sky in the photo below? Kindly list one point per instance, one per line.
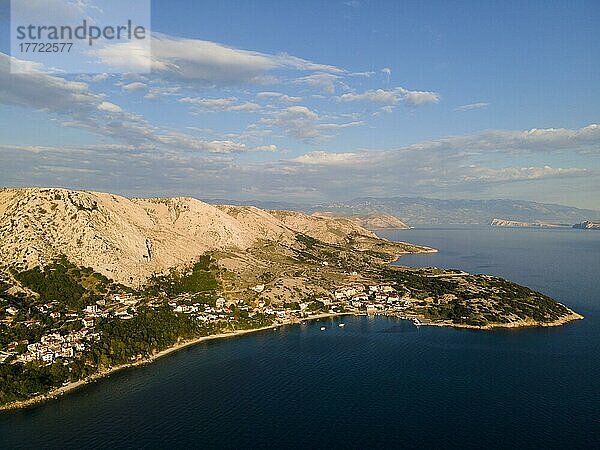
(323, 100)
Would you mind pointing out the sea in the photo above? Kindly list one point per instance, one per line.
(377, 382)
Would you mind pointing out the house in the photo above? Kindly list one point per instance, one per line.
(12, 311)
(121, 297)
(371, 308)
(66, 352)
(47, 357)
(91, 309)
(258, 288)
(349, 292)
(220, 303)
(381, 297)
(88, 322)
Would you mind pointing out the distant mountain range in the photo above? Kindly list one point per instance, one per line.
(421, 210)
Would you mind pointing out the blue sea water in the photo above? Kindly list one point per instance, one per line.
(376, 383)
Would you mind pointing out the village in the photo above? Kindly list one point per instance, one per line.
(355, 298)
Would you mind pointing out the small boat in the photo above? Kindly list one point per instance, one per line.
(342, 325)
(323, 328)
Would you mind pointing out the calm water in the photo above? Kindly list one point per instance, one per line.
(377, 382)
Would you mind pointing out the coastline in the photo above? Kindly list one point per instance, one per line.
(55, 393)
(571, 317)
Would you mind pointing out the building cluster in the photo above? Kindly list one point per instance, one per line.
(56, 345)
(203, 311)
(371, 298)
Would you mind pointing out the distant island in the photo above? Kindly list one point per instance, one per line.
(93, 282)
(537, 224)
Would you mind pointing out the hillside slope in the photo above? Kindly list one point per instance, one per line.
(129, 240)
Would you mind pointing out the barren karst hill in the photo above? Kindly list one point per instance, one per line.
(128, 240)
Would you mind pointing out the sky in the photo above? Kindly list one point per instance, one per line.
(314, 101)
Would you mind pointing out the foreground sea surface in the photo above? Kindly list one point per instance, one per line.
(377, 382)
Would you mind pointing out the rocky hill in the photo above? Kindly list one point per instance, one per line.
(517, 224)
(380, 222)
(128, 240)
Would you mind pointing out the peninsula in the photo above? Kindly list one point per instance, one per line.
(93, 282)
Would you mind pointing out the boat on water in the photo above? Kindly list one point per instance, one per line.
(323, 328)
(342, 325)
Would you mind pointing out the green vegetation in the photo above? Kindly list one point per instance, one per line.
(307, 241)
(64, 283)
(19, 382)
(123, 341)
(201, 279)
(479, 299)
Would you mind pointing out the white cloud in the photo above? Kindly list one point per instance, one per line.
(194, 59)
(472, 106)
(545, 140)
(506, 174)
(185, 141)
(454, 165)
(266, 148)
(278, 96)
(323, 158)
(109, 107)
(392, 97)
(156, 92)
(302, 123)
(39, 90)
(418, 98)
(220, 104)
(297, 121)
(135, 86)
(324, 82)
(99, 77)
(387, 72)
